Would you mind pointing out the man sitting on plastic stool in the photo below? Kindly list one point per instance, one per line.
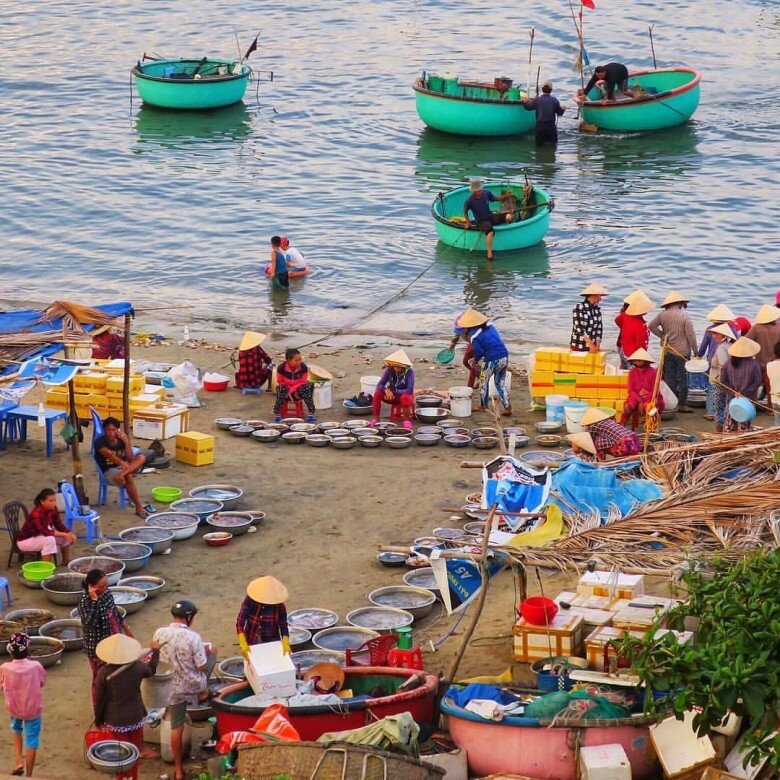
(116, 459)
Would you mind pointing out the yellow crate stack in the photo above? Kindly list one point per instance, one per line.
(194, 448)
(102, 392)
(560, 371)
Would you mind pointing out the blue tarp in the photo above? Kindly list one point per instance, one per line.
(462, 696)
(596, 489)
(24, 321)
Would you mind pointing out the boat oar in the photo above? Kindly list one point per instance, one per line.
(530, 55)
(200, 65)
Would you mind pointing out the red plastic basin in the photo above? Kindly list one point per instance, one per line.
(539, 610)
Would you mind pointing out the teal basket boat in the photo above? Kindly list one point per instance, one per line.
(529, 228)
(670, 97)
(191, 84)
(452, 105)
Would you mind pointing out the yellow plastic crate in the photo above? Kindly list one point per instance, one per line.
(91, 382)
(114, 385)
(194, 448)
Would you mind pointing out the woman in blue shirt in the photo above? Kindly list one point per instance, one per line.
(278, 269)
(490, 350)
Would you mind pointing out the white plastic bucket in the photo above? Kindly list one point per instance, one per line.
(507, 386)
(368, 384)
(460, 401)
(323, 395)
(554, 407)
(573, 411)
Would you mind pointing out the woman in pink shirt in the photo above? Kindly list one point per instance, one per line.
(21, 681)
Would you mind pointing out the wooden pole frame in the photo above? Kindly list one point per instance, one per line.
(126, 380)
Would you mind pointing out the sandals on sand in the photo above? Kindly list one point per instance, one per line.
(142, 513)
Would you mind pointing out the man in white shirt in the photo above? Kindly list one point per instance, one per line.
(295, 258)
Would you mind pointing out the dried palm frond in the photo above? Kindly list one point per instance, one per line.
(75, 315)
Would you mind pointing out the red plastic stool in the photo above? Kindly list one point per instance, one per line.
(406, 659)
(285, 410)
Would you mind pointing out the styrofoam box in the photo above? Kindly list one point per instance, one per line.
(270, 672)
(679, 749)
(604, 762)
(602, 583)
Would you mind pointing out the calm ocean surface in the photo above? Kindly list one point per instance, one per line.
(105, 200)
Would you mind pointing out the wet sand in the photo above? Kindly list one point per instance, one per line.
(327, 512)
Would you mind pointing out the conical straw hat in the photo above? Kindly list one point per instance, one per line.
(471, 318)
(725, 330)
(638, 293)
(267, 590)
(767, 314)
(744, 347)
(640, 304)
(595, 289)
(118, 649)
(583, 440)
(251, 339)
(318, 372)
(593, 415)
(399, 358)
(674, 297)
(641, 354)
(721, 313)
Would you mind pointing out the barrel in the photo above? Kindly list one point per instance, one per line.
(323, 394)
(573, 411)
(554, 405)
(460, 401)
(741, 410)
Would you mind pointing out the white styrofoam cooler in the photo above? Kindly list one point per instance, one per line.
(604, 762)
(270, 672)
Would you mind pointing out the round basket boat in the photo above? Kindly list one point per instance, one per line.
(519, 234)
(417, 601)
(191, 84)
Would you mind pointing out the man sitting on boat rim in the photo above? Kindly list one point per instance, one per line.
(615, 74)
(547, 109)
(479, 205)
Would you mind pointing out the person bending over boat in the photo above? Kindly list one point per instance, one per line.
(613, 74)
(396, 387)
(547, 109)
(609, 436)
(478, 203)
(279, 271)
(292, 384)
(296, 261)
(263, 616)
(490, 350)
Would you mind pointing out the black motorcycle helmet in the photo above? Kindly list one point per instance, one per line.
(184, 608)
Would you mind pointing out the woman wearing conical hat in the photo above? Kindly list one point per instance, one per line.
(491, 352)
(633, 333)
(609, 436)
(396, 387)
(766, 332)
(723, 335)
(255, 366)
(263, 615)
(741, 376)
(707, 348)
(641, 383)
(587, 324)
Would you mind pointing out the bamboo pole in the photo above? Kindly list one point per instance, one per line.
(126, 380)
(75, 450)
(656, 387)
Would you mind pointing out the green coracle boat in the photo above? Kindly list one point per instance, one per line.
(529, 228)
(453, 105)
(670, 96)
(191, 84)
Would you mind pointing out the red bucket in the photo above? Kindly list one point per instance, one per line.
(539, 610)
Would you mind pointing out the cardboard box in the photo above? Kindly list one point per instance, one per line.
(596, 642)
(682, 754)
(604, 762)
(159, 421)
(270, 672)
(194, 448)
(604, 583)
(563, 636)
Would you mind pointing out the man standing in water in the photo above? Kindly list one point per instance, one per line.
(479, 205)
(547, 108)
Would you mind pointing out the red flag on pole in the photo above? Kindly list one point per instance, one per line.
(589, 4)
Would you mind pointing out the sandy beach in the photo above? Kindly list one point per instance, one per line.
(327, 512)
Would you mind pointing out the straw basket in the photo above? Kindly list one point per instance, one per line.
(318, 762)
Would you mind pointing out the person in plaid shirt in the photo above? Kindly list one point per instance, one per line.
(255, 365)
(587, 325)
(609, 437)
(263, 616)
(44, 532)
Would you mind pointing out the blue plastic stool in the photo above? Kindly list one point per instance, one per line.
(5, 588)
(73, 512)
(255, 390)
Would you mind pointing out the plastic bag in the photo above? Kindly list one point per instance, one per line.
(670, 399)
(186, 383)
(275, 723)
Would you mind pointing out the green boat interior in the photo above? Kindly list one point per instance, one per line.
(450, 205)
(501, 90)
(649, 85)
(187, 70)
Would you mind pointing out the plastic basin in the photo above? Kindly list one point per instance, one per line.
(538, 610)
(38, 570)
(166, 494)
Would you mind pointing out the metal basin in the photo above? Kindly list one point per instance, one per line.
(299, 636)
(181, 524)
(110, 757)
(134, 556)
(484, 431)
(434, 429)
(236, 523)
(305, 659)
(294, 437)
(74, 613)
(46, 650)
(391, 559)
(202, 507)
(418, 601)
(241, 430)
(303, 427)
(112, 567)
(32, 584)
(422, 578)
(457, 440)
(370, 441)
(257, 517)
(381, 619)
(232, 667)
(152, 585)
(64, 590)
(226, 423)
(398, 442)
(312, 618)
(337, 433)
(431, 415)
(131, 599)
(266, 435)
(328, 425)
(549, 440)
(343, 442)
(318, 440)
(279, 427)
(69, 631)
(450, 423)
(428, 401)
(255, 425)
(342, 638)
(427, 439)
(485, 442)
(158, 540)
(229, 495)
(30, 619)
